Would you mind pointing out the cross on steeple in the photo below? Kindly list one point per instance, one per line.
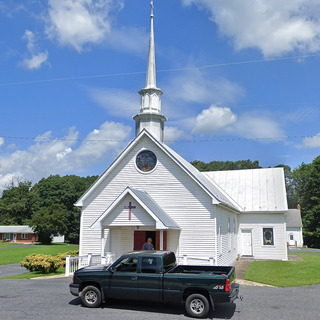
(129, 207)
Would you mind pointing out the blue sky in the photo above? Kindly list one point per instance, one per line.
(240, 81)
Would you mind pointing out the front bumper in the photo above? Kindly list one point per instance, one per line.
(74, 289)
(235, 292)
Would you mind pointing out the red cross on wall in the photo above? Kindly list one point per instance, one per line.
(130, 207)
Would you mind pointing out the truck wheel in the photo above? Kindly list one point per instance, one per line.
(91, 297)
(197, 305)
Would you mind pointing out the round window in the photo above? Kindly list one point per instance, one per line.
(146, 160)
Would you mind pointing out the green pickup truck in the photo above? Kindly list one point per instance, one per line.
(155, 276)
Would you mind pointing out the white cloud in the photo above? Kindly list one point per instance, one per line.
(172, 134)
(257, 126)
(117, 102)
(274, 27)
(1, 142)
(312, 142)
(78, 22)
(36, 58)
(214, 119)
(59, 156)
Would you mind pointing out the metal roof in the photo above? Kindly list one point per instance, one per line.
(293, 218)
(256, 190)
(16, 229)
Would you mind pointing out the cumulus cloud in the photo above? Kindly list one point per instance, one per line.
(1, 142)
(312, 142)
(214, 119)
(36, 58)
(78, 22)
(48, 155)
(172, 134)
(274, 27)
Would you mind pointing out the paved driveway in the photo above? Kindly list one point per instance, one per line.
(11, 270)
(50, 299)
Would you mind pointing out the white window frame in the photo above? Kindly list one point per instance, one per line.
(273, 235)
(24, 236)
(7, 236)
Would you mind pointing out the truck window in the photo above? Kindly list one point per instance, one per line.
(169, 261)
(149, 265)
(128, 264)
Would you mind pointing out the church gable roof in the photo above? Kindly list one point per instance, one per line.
(218, 195)
(256, 190)
(160, 218)
(293, 218)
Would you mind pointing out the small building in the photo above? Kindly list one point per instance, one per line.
(20, 234)
(294, 228)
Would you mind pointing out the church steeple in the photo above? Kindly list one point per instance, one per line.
(150, 117)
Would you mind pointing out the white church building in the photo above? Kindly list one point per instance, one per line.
(151, 191)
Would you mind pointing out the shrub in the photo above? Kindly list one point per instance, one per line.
(42, 262)
(62, 256)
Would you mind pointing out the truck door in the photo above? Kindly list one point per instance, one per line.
(124, 280)
(150, 279)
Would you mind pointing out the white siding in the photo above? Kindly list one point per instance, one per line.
(256, 222)
(171, 188)
(227, 250)
(120, 216)
(121, 241)
(297, 237)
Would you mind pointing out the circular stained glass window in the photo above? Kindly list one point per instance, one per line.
(146, 160)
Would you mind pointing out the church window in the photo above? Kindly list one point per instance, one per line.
(291, 237)
(146, 161)
(268, 238)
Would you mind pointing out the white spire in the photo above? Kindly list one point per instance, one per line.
(150, 117)
(151, 72)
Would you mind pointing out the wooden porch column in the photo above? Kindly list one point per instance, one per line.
(161, 240)
(102, 242)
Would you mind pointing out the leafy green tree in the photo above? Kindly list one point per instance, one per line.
(66, 191)
(307, 178)
(48, 222)
(16, 203)
(225, 165)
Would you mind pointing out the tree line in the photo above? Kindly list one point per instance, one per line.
(48, 206)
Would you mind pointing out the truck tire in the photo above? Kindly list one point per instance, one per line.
(91, 297)
(197, 305)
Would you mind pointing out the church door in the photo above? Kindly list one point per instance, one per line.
(246, 237)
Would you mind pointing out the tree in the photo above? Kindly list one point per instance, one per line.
(48, 222)
(225, 165)
(66, 191)
(16, 203)
(307, 178)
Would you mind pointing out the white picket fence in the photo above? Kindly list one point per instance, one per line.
(75, 263)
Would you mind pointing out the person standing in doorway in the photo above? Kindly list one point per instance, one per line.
(148, 245)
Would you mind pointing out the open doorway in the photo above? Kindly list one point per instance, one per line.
(140, 237)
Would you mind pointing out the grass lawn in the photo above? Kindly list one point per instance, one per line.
(286, 273)
(15, 255)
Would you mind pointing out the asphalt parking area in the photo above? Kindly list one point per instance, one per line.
(50, 299)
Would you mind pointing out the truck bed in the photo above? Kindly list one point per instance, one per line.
(210, 270)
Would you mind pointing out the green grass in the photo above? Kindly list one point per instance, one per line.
(286, 273)
(8, 244)
(15, 255)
